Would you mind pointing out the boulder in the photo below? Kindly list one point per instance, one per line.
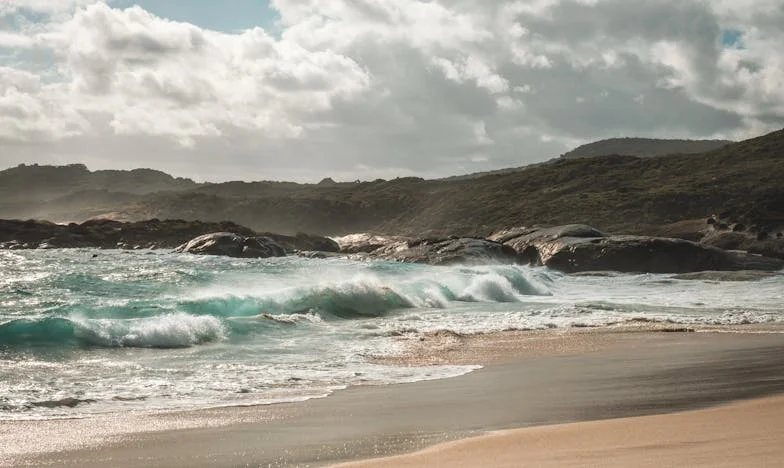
(450, 251)
(232, 245)
(578, 248)
(303, 242)
(747, 240)
(366, 242)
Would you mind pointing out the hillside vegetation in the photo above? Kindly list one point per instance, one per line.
(741, 181)
(643, 147)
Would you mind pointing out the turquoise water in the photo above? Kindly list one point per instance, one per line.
(131, 330)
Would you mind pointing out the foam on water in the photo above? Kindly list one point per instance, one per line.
(154, 330)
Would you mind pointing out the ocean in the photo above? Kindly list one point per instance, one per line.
(85, 332)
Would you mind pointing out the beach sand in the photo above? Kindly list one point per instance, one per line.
(745, 434)
(529, 379)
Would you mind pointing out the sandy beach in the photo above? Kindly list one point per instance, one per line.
(741, 434)
(562, 382)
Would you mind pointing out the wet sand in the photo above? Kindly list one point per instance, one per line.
(741, 434)
(531, 379)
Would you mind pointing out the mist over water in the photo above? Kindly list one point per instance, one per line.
(154, 330)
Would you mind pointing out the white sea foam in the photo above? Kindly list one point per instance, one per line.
(154, 331)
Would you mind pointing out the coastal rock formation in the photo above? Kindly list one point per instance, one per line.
(762, 243)
(108, 234)
(233, 245)
(454, 250)
(366, 242)
(576, 248)
(303, 242)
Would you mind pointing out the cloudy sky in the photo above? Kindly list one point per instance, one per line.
(360, 89)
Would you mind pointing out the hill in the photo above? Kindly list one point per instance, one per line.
(73, 192)
(643, 147)
(740, 181)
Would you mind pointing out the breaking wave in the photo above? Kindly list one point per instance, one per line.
(167, 331)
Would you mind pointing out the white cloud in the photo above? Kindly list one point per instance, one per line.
(364, 88)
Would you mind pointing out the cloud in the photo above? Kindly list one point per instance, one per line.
(376, 88)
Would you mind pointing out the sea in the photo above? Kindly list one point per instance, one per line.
(86, 332)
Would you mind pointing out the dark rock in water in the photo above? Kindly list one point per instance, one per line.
(741, 275)
(151, 234)
(233, 245)
(366, 243)
(520, 238)
(303, 242)
(319, 254)
(108, 234)
(448, 252)
(65, 402)
(558, 248)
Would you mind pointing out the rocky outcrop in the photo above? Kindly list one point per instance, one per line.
(303, 242)
(366, 242)
(576, 248)
(449, 251)
(769, 245)
(108, 234)
(151, 234)
(728, 234)
(233, 245)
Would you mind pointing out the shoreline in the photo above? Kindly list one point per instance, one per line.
(746, 433)
(579, 376)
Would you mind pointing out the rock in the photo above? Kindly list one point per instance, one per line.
(233, 245)
(557, 248)
(740, 275)
(65, 402)
(150, 234)
(303, 242)
(366, 242)
(521, 238)
(765, 245)
(319, 254)
(109, 234)
(451, 251)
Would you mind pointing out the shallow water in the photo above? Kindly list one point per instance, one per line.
(154, 330)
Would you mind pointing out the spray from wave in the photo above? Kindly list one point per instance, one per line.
(167, 331)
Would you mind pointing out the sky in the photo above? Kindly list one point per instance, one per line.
(364, 89)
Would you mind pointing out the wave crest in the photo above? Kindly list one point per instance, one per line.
(177, 330)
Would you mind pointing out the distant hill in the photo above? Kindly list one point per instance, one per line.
(73, 192)
(643, 147)
(640, 147)
(614, 193)
(36, 182)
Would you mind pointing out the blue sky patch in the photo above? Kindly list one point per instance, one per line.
(227, 16)
(732, 39)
